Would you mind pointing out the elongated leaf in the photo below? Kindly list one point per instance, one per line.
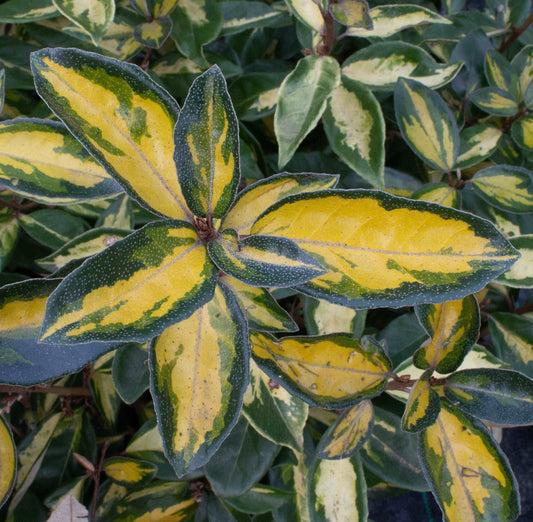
(242, 15)
(355, 129)
(348, 433)
(380, 65)
(477, 143)
(423, 405)
(23, 360)
(8, 461)
(501, 74)
(468, 474)
(520, 275)
(261, 309)
(9, 232)
(263, 260)
(130, 371)
(390, 19)
(440, 193)
(128, 471)
(522, 132)
(119, 214)
(329, 371)
(130, 133)
(259, 499)
(308, 12)
(302, 100)
(322, 317)
(453, 328)
(427, 124)
(506, 187)
(387, 251)
(200, 372)
(207, 146)
(495, 101)
(273, 411)
(93, 16)
(256, 198)
(15, 12)
(337, 490)
(134, 289)
(40, 159)
(2, 88)
(153, 34)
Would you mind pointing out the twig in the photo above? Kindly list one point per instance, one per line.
(44, 388)
(96, 478)
(515, 34)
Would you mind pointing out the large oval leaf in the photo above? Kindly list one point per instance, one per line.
(207, 146)
(387, 251)
(134, 289)
(199, 370)
(8, 461)
(468, 474)
(329, 371)
(121, 116)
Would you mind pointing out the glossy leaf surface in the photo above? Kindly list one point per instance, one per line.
(423, 406)
(129, 472)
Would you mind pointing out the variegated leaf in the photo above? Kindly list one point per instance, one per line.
(262, 311)
(468, 474)
(118, 215)
(9, 233)
(353, 13)
(330, 371)
(41, 160)
(388, 251)
(16, 12)
(121, 116)
(207, 146)
(522, 132)
(134, 289)
(106, 398)
(380, 65)
(263, 260)
(355, 128)
(520, 275)
(153, 34)
(93, 16)
(478, 142)
(273, 411)
(440, 193)
(501, 74)
(199, 370)
(256, 198)
(506, 187)
(302, 100)
(128, 471)
(423, 405)
(308, 12)
(345, 437)
(390, 19)
(8, 461)
(495, 101)
(427, 124)
(259, 499)
(323, 317)
(154, 8)
(453, 328)
(2, 88)
(242, 15)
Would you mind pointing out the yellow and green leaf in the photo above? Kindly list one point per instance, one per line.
(353, 13)
(309, 13)
(134, 289)
(8, 461)
(468, 474)
(153, 34)
(355, 128)
(119, 214)
(523, 64)
(522, 132)
(302, 100)
(273, 411)
(507, 187)
(262, 311)
(329, 371)
(259, 499)
(345, 437)
(41, 160)
(380, 65)
(440, 193)
(15, 12)
(478, 142)
(240, 16)
(322, 317)
(256, 198)
(501, 74)
(453, 328)
(121, 116)
(2, 88)
(154, 8)
(199, 373)
(520, 275)
(391, 19)
(423, 405)
(93, 16)
(128, 471)
(426, 124)
(207, 146)
(263, 260)
(495, 101)
(9, 233)
(387, 251)
(105, 395)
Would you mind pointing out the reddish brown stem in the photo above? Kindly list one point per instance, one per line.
(515, 34)
(96, 478)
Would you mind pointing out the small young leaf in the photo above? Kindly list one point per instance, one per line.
(153, 34)
(520, 275)
(130, 371)
(522, 132)
(478, 142)
(423, 405)
(105, 395)
(9, 232)
(440, 193)
(128, 471)
(8, 461)
(308, 12)
(352, 13)
(495, 101)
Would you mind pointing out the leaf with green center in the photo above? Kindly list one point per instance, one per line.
(495, 101)
(207, 146)
(423, 405)
(302, 100)
(134, 289)
(263, 260)
(520, 275)
(427, 124)
(8, 461)
(121, 116)
(468, 474)
(199, 371)
(154, 8)
(153, 34)
(329, 371)
(477, 143)
(387, 251)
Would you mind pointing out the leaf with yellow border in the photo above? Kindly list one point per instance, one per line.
(199, 370)
(501, 74)
(329, 371)
(8, 461)
(494, 101)
(469, 475)
(207, 146)
(453, 328)
(153, 34)
(440, 193)
(387, 251)
(121, 116)
(426, 124)
(522, 132)
(423, 405)
(128, 471)
(345, 437)
(134, 289)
